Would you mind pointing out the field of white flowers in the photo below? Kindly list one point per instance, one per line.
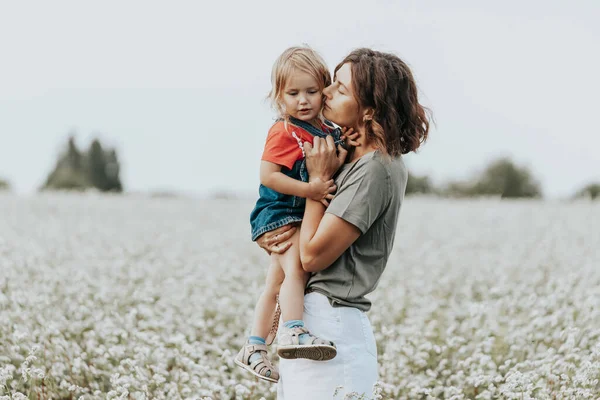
(132, 297)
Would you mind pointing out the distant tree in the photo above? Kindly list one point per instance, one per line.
(112, 169)
(69, 172)
(504, 178)
(500, 178)
(458, 189)
(97, 168)
(419, 184)
(591, 191)
(4, 185)
(74, 157)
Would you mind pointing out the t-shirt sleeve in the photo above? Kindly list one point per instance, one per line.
(281, 148)
(363, 196)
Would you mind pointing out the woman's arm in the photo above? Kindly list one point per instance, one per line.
(323, 238)
(272, 177)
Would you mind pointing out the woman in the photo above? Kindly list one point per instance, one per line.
(346, 245)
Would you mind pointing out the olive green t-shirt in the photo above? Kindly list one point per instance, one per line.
(370, 193)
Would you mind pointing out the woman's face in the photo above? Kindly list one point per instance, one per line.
(341, 106)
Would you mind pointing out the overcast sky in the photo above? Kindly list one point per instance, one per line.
(178, 87)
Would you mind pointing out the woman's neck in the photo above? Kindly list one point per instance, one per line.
(365, 147)
(361, 151)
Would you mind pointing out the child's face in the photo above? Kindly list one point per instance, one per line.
(302, 98)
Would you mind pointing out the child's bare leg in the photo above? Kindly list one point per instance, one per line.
(291, 294)
(295, 340)
(265, 307)
(256, 360)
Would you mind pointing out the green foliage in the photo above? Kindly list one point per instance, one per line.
(591, 191)
(504, 178)
(419, 184)
(458, 189)
(4, 185)
(97, 168)
(500, 178)
(113, 169)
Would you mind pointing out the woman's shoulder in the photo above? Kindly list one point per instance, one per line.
(374, 168)
(378, 164)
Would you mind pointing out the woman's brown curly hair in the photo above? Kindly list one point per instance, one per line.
(384, 83)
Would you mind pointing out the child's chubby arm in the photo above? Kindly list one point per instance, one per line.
(272, 177)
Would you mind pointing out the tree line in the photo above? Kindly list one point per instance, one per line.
(501, 178)
(98, 167)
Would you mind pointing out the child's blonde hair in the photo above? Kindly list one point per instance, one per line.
(301, 58)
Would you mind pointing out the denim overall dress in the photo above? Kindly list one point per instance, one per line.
(273, 209)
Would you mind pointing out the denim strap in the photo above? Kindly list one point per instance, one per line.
(318, 132)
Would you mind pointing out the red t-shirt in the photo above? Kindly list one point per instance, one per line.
(284, 146)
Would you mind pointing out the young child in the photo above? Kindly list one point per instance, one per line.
(298, 78)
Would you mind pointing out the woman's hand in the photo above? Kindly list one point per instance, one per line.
(322, 160)
(275, 241)
(350, 137)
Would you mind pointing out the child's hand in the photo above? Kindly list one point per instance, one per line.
(321, 191)
(350, 137)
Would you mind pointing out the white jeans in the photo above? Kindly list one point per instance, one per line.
(354, 367)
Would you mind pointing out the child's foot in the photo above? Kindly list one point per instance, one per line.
(253, 358)
(298, 342)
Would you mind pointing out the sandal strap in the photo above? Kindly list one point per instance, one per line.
(300, 330)
(263, 365)
(317, 340)
(250, 349)
(253, 348)
(260, 363)
(263, 362)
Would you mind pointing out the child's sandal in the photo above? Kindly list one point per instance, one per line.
(261, 367)
(317, 349)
